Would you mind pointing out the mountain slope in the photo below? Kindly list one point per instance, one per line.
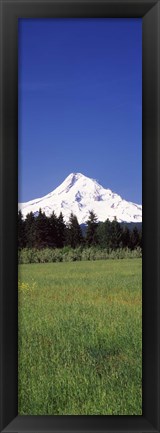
(80, 194)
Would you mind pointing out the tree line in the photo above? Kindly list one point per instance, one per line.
(52, 232)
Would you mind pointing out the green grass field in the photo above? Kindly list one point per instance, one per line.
(80, 338)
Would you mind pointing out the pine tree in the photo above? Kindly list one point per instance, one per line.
(61, 231)
(53, 231)
(104, 234)
(115, 235)
(126, 238)
(21, 231)
(135, 238)
(42, 230)
(30, 230)
(140, 238)
(74, 232)
(101, 235)
(91, 235)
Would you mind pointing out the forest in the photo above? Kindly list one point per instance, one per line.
(52, 232)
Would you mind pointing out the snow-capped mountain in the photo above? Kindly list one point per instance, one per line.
(80, 194)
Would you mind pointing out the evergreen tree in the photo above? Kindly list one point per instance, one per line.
(135, 238)
(21, 231)
(101, 235)
(30, 230)
(126, 238)
(115, 235)
(91, 235)
(104, 234)
(61, 231)
(140, 238)
(74, 232)
(42, 230)
(53, 231)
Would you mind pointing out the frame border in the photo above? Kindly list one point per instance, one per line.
(10, 11)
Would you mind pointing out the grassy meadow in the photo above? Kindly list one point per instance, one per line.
(80, 338)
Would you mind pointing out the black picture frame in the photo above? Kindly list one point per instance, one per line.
(10, 12)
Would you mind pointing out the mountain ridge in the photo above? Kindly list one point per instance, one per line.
(80, 194)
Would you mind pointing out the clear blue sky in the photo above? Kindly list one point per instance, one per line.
(80, 104)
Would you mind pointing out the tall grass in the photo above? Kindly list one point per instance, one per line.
(68, 254)
(80, 338)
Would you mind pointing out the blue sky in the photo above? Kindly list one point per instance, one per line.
(80, 104)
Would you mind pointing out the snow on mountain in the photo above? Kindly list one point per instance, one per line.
(80, 194)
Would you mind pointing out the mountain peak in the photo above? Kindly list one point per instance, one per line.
(73, 177)
(77, 175)
(80, 194)
(69, 182)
